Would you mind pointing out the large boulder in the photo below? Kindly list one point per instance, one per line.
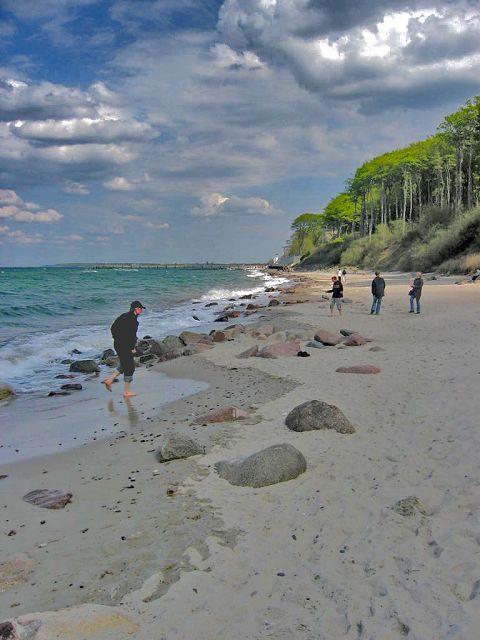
(191, 337)
(175, 447)
(218, 335)
(316, 414)
(158, 349)
(112, 361)
(278, 463)
(173, 342)
(280, 349)
(222, 414)
(199, 347)
(359, 368)
(326, 337)
(249, 353)
(108, 353)
(84, 366)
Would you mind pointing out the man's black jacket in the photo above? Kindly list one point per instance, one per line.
(124, 330)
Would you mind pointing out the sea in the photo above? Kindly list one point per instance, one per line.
(52, 314)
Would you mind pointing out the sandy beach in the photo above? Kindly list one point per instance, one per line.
(167, 551)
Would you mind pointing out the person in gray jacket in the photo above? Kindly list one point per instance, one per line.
(378, 291)
(416, 292)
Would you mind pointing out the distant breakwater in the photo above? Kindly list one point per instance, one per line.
(172, 265)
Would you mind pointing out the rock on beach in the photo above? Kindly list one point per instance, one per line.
(316, 414)
(48, 498)
(278, 463)
(84, 366)
(175, 447)
(222, 414)
(280, 349)
(327, 338)
(359, 368)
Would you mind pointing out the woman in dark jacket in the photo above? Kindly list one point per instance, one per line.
(416, 292)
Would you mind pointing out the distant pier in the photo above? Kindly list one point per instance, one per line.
(174, 265)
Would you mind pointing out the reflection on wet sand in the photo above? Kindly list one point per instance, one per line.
(131, 414)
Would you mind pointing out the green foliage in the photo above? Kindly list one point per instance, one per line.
(462, 236)
(407, 206)
(327, 254)
(307, 230)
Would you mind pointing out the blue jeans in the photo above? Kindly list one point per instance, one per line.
(376, 304)
(412, 298)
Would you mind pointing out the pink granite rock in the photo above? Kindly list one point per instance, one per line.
(48, 498)
(191, 337)
(222, 414)
(280, 349)
(266, 329)
(249, 353)
(359, 368)
(218, 336)
(327, 338)
(356, 340)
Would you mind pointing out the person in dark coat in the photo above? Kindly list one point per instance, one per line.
(378, 291)
(124, 334)
(337, 295)
(416, 292)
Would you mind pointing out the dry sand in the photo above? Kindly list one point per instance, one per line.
(171, 551)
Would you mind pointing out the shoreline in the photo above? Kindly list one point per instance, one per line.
(31, 357)
(313, 557)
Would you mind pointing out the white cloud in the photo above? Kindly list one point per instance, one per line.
(8, 196)
(215, 204)
(24, 215)
(225, 57)
(119, 184)
(157, 225)
(14, 208)
(81, 130)
(75, 188)
(21, 237)
(88, 153)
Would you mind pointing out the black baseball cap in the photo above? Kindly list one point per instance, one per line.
(136, 304)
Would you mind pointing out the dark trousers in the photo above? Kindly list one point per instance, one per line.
(127, 363)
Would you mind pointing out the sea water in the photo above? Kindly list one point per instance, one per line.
(46, 313)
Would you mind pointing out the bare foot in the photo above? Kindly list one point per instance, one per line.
(129, 394)
(108, 384)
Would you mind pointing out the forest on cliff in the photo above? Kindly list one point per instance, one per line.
(412, 208)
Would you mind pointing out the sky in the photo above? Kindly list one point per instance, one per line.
(197, 130)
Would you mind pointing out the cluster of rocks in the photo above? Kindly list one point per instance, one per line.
(282, 462)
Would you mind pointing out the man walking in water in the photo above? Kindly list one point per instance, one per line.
(124, 333)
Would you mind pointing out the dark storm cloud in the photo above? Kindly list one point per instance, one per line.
(366, 53)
